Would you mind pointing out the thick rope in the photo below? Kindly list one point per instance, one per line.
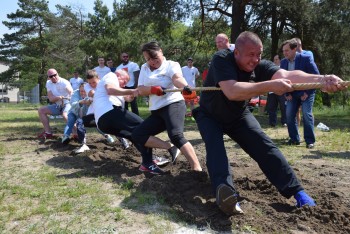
(299, 86)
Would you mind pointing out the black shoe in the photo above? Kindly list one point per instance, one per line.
(291, 142)
(227, 200)
(174, 152)
(310, 146)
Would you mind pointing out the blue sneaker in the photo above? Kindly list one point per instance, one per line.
(151, 168)
(304, 199)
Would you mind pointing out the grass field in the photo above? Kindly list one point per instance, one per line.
(36, 198)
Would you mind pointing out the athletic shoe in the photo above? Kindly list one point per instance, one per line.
(227, 200)
(303, 199)
(125, 143)
(45, 135)
(82, 149)
(174, 152)
(310, 146)
(65, 139)
(151, 168)
(109, 138)
(160, 161)
(291, 142)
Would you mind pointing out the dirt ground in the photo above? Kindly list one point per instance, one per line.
(190, 195)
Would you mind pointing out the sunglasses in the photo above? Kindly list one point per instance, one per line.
(52, 75)
(126, 56)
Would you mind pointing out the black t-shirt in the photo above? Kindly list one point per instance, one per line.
(224, 67)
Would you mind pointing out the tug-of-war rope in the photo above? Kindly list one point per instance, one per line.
(299, 86)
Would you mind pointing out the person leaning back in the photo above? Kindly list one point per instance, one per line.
(225, 112)
(59, 91)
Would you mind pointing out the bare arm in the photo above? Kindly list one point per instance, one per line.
(331, 82)
(54, 98)
(117, 91)
(239, 91)
(144, 90)
(178, 80)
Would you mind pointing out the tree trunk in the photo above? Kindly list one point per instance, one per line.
(274, 34)
(238, 13)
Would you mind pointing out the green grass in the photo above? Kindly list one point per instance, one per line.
(38, 198)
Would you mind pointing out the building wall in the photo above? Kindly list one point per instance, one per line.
(13, 93)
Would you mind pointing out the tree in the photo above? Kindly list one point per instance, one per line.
(26, 49)
(65, 33)
(234, 10)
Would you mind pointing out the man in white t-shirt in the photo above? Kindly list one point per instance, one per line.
(133, 70)
(101, 69)
(222, 42)
(76, 81)
(190, 73)
(59, 92)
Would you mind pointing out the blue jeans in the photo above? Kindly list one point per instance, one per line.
(246, 131)
(72, 119)
(70, 124)
(308, 119)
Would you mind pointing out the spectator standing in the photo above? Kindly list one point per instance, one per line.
(110, 64)
(303, 98)
(300, 49)
(274, 100)
(133, 70)
(101, 69)
(306, 52)
(75, 81)
(222, 42)
(59, 92)
(190, 73)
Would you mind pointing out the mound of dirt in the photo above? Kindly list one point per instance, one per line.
(189, 193)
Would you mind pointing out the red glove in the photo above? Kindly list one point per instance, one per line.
(157, 90)
(187, 90)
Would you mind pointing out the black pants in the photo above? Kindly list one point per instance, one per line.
(273, 101)
(121, 123)
(89, 120)
(133, 103)
(170, 118)
(249, 135)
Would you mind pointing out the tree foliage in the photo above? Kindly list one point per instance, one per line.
(71, 39)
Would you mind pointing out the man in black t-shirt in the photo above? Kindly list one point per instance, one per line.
(225, 112)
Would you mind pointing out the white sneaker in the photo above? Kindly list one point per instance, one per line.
(160, 160)
(125, 143)
(109, 138)
(82, 149)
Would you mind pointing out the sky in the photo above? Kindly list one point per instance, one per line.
(12, 5)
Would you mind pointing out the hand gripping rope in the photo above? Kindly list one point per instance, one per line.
(299, 86)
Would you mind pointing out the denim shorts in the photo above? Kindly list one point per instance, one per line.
(58, 110)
